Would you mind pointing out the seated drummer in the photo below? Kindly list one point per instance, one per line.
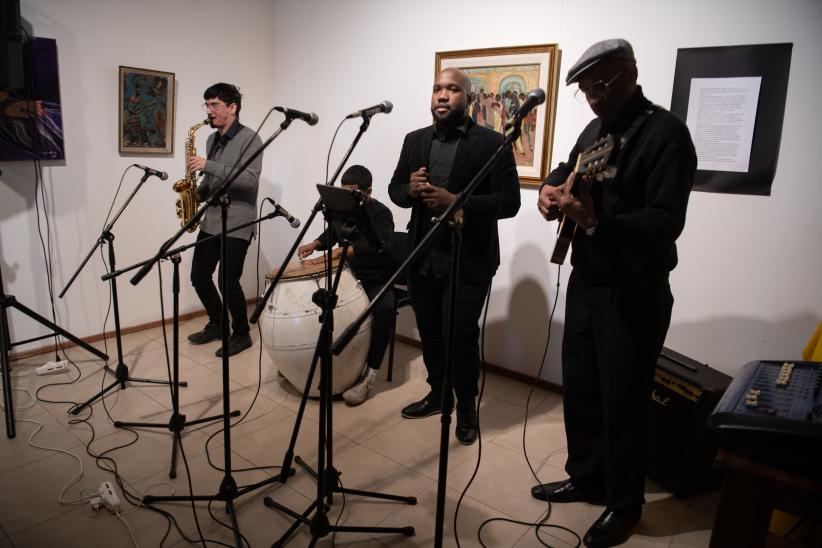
(372, 269)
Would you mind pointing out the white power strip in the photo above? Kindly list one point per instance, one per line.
(50, 368)
(109, 496)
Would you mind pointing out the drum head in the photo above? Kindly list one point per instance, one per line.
(303, 269)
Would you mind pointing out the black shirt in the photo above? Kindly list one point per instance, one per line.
(444, 144)
(221, 140)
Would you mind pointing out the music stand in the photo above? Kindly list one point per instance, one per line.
(345, 212)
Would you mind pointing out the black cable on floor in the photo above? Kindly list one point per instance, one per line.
(479, 401)
(542, 523)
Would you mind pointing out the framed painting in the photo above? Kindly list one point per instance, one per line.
(31, 115)
(146, 120)
(500, 80)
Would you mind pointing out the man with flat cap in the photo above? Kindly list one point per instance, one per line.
(618, 302)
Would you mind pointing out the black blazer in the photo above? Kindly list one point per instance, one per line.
(496, 197)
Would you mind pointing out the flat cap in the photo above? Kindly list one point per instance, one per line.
(613, 48)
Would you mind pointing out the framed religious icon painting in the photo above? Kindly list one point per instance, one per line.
(146, 116)
(500, 81)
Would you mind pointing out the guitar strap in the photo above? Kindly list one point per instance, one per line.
(640, 120)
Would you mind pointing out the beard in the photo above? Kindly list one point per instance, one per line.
(451, 119)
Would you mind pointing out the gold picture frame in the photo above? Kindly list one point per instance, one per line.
(146, 116)
(495, 74)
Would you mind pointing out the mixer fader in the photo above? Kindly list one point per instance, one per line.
(773, 397)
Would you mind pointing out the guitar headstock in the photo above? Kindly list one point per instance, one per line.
(597, 160)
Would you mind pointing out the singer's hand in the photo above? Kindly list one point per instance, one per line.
(418, 179)
(305, 250)
(437, 198)
(195, 163)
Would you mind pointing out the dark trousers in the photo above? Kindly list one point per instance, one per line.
(382, 321)
(429, 299)
(204, 263)
(612, 339)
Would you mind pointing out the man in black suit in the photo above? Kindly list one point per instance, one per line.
(436, 163)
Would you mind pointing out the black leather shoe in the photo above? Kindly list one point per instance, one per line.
(467, 430)
(211, 332)
(236, 344)
(429, 405)
(565, 491)
(613, 527)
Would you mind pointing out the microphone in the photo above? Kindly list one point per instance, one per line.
(535, 98)
(385, 106)
(293, 221)
(161, 174)
(309, 118)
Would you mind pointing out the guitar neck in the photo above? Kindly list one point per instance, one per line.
(596, 162)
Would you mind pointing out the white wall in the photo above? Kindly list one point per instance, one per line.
(201, 44)
(748, 282)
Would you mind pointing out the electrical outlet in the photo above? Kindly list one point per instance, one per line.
(52, 367)
(109, 496)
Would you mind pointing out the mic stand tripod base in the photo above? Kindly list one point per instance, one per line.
(121, 373)
(177, 422)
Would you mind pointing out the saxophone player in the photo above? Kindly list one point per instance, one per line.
(227, 147)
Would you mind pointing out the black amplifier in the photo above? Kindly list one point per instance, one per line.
(680, 446)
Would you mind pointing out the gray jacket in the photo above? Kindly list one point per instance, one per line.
(243, 191)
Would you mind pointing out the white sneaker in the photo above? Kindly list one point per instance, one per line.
(360, 391)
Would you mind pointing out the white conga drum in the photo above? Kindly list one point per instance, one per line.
(290, 325)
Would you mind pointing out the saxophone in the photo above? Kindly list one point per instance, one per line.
(188, 202)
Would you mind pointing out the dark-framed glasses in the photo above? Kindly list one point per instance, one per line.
(598, 89)
(214, 106)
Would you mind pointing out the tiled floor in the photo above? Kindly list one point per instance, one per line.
(374, 448)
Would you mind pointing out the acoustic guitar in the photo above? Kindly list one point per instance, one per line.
(596, 164)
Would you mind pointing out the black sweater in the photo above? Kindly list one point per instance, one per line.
(640, 212)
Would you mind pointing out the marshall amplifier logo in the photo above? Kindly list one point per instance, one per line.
(661, 401)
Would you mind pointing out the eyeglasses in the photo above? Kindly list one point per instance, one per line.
(214, 106)
(598, 89)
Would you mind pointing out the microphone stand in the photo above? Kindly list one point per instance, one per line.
(446, 397)
(288, 458)
(10, 301)
(352, 224)
(121, 373)
(177, 422)
(366, 121)
(228, 491)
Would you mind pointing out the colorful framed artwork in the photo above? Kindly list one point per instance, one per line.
(500, 80)
(146, 120)
(31, 116)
